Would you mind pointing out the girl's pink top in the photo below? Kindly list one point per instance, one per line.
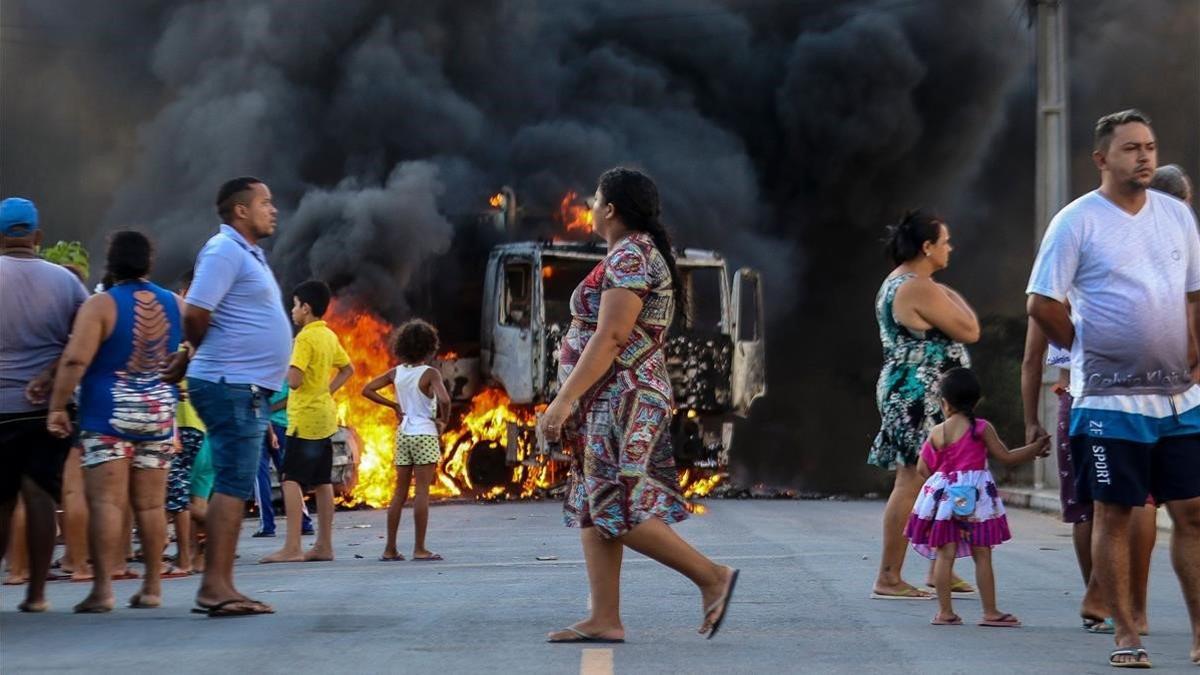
(966, 454)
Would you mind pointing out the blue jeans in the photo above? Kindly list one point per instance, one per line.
(262, 493)
(236, 417)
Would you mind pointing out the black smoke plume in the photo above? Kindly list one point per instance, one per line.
(784, 134)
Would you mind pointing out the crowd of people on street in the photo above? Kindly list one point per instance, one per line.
(1114, 303)
(138, 404)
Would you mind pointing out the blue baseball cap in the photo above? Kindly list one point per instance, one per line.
(18, 217)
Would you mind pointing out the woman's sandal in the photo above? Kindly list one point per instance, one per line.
(954, 620)
(1005, 621)
(722, 603)
(1141, 656)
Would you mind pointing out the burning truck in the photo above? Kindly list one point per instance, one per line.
(500, 383)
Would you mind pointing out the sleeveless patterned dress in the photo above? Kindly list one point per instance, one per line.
(906, 392)
(624, 468)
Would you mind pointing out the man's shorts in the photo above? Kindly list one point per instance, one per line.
(1124, 457)
(308, 461)
(236, 418)
(417, 450)
(28, 449)
(100, 448)
(179, 480)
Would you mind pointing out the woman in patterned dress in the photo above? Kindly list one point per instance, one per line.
(614, 408)
(923, 325)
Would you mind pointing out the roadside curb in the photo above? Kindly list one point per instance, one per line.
(1047, 501)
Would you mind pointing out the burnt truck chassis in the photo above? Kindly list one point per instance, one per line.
(526, 296)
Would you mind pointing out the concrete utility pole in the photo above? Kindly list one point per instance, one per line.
(1053, 164)
(1053, 172)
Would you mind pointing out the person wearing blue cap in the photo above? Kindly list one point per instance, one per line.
(38, 300)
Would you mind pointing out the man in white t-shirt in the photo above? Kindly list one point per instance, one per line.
(1127, 260)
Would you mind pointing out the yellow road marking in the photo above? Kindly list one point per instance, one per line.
(596, 662)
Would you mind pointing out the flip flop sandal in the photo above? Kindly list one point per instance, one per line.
(958, 590)
(1005, 621)
(1099, 626)
(581, 636)
(1136, 652)
(953, 621)
(248, 608)
(398, 558)
(127, 574)
(174, 572)
(429, 558)
(911, 593)
(723, 604)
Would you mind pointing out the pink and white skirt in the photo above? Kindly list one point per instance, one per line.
(933, 523)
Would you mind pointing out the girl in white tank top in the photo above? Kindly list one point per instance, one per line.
(418, 449)
(419, 410)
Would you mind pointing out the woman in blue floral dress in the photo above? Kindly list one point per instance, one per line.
(922, 325)
(614, 409)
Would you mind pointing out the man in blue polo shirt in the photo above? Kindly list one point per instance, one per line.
(238, 343)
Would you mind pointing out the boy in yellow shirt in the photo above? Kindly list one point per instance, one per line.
(312, 421)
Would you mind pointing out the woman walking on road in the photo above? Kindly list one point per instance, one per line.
(923, 325)
(614, 406)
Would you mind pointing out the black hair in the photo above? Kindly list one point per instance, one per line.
(314, 293)
(906, 239)
(1107, 126)
(416, 340)
(634, 196)
(232, 193)
(129, 256)
(185, 279)
(960, 389)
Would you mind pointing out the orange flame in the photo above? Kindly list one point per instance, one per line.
(575, 217)
(490, 421)
(496, 200)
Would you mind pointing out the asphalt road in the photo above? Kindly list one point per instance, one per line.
(801, 605)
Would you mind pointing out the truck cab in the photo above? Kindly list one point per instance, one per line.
(716, 364)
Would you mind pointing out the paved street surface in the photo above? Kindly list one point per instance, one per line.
(801, 605)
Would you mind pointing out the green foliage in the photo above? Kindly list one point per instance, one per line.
(68, 253)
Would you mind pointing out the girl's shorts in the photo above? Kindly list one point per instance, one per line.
(417, 450)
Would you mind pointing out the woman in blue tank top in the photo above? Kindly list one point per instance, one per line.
(120, 341)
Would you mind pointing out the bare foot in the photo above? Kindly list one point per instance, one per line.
(283, 555)
(391, 554)
(34, 606)
(314, 554)
(144, 600)
(711, 594)
(94, 605)
(16, 579)
(1196, 652)
(591, 628)
(425, 554)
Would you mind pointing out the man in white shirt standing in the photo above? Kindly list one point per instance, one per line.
(1127, 261)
